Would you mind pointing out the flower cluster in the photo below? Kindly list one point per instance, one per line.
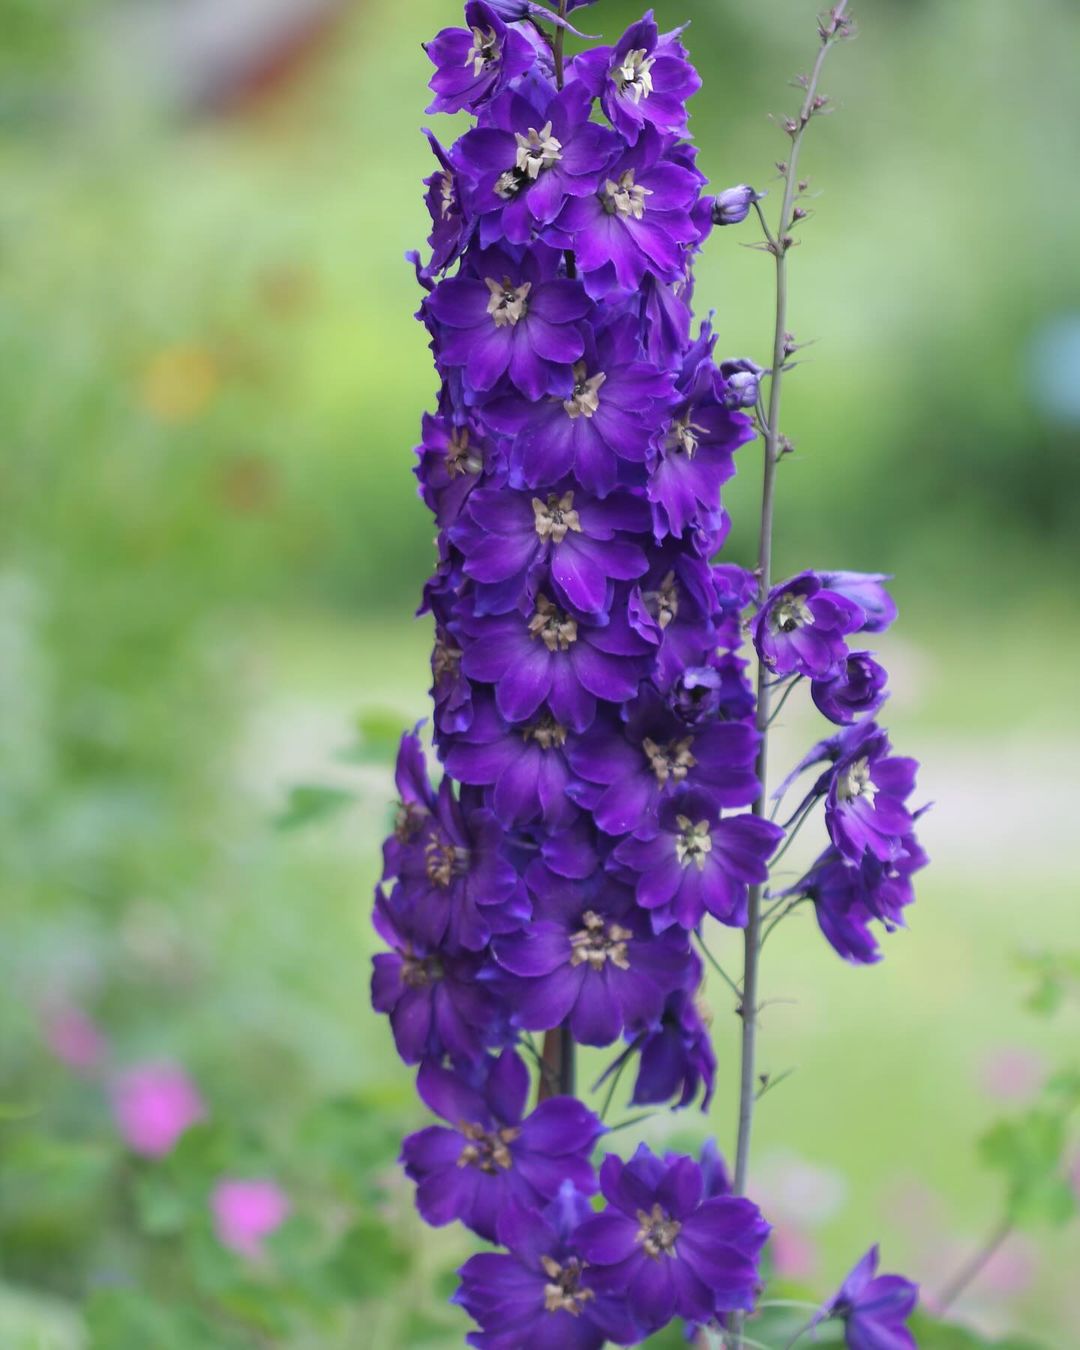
(592, 712)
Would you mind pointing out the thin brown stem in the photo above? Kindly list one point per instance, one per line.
(778, 244)
(974, 1267)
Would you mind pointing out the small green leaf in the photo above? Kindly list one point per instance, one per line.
(933, 1335)
(312, 802)
(378, 735)
(1029, 1151)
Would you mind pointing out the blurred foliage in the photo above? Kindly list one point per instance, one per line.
(209, 383)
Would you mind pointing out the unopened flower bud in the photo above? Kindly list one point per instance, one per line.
(732, 206)
(742, 378)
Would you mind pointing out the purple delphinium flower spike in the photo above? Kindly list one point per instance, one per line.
(864, 808)
(697, 863)
(538, 1293)
(491, 1152)
(668, 1249)
(856, 690)
(676, 1056)
(873, 1308)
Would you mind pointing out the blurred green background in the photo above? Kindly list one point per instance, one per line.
(210, 384)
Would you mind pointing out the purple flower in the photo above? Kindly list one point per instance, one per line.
(511, 318)
(530, 156)
(867, 590)
(416, 800)
(492, 1153)
(801, 627)
(873, 1308)
(538, 1293)
(644, 80)
(524, 765)
(455, 882)
(742, 382)
(732, 206)
(452, 459)
(511, 540)
(676, 1056)
(640, 761)
(588, 959)
(864, 807)
(675, 604)
(856, 690)
(665, 1248)
(614, 411)
(473, 64)
(549, 656)
(697, 452)
(450, 690)
(435, 1004)
(638, 221)
(698, 862)
(449, 228)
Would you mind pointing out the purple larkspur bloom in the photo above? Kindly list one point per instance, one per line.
(432, 997)
(455, 877)
(475, 63)
(511, 317)
(450, 230)
(525, 766)
(415, 800)
(451, 461)
(631, 762)
(451, 692)
(698, 862)
(491, 1152)
(538, 1292)
(644, 80)
(864, 806)
(613, 412)
(637, 221)
(802, 626)
(867, 590)
(720, 691)
(528, 157)
(511, 542)
(588, 959)
(675, 605)
(668, 1249)
(697, 451)
(856, 690)
(873, 1308)
(549, 656)
(741, 382)
(676, 1057)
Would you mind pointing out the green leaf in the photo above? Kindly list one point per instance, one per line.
(312, 802)
(1056, 977)
(368, 1260)
(378, 735)
(1029, 1151)
(933, 1335)
(161, 1208)
(126, 1319)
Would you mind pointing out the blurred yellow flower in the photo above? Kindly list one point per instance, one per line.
(179, 383)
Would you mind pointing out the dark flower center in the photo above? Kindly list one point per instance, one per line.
(624, 198)
(508, 303)
(682, 436)
(445, 659)
(563, 1293)
(789, 612)
(409, 818)
(444, 860)
(555, 629)
(634, 77)
(460, 456)
(553, 520)
(598, 942)
(671, 762)
(693, 843)
(484, 52)
(663, 603)
(585, 399)
(418, 972)
(489, 1150)
(547, 733)
(658, 1232)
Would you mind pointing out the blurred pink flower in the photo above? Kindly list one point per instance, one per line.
(153, 1105)
(795, 1255)
(73, 1037)
(247, 1212)
(1012, 1074)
